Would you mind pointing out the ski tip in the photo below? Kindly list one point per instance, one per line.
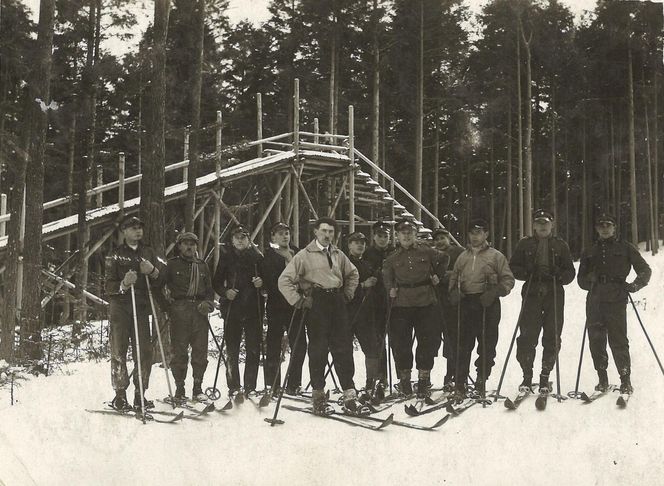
(509, 404)
(540, 403)
(387, 421)
(265, 400)
(411, 410)
(441, 421)
(621, 402)
(585, 397)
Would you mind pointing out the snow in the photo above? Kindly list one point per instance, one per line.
(48, 438)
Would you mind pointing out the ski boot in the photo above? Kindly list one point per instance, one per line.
(603, 384)
(352, 406)
(292, 390)
(137, 402)
(180, 395)
(480, 388)
(250, 394)
(404, 386)
(119, 402)
(423, 383)
(378, 392)
(460, 392)
(544, 384)
(320, 405)
(197, 394)
(527, 384)
(448, 384)
(626, 385)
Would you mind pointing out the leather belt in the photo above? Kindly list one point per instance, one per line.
(423, 283)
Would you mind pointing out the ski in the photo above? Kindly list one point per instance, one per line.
(412, 426)
(540, 403)
(345, 418)
(188, 405)
(465, 405)
(135, 415)
(414, 412)
(596, 394)
(623, 399)
(514, 404)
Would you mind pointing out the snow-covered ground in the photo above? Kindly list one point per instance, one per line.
(47, 438)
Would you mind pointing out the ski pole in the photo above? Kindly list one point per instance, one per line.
(137, 348)
(161, 345)
(274, 421)
(646, 333)
(509, 351)
(559, 397)
(485, 402)
(265, 399)
(575, 393)
(260, 314)
(458, 334)
(387, 343)
(213, 392)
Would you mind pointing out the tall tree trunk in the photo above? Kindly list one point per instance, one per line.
(492, 191)
(419, 116)
(655, 162)
(528, 209)
(34, 184)
(632, 149)
(519, 147)
(71, 163)
(333, 79)
(651, 202)
(375, 98)
(584, 192)
(554, 168)
(436, 169)
(152, 202)
(198, 17)
(508, 227)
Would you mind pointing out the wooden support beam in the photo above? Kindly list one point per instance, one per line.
(185, 153)
(351, 175)
(304, 192)
(69, 285)
(121, 181)
(259, 123)
(276, 197)
(342, 191)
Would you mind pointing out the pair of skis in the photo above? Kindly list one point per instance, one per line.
(621, 402)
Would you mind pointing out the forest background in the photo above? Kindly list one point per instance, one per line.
(513, 106)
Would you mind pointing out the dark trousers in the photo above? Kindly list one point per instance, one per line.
(122, 333)
(473, 315)
(188, 328)
(424, 321)
(329, 331)
(246, 320)
(278, 321)
(608, 320)
(538, 314)
(450, 321)
(367, 331)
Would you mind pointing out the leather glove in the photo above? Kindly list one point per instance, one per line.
(205, 307)
(257, 281)
(129, 279)
(632, 287)
(305, 302)
(393, 293)
(455, 296)
(146, 267)
(489, 297)
(231, 294)
(370, 282)
(435, 280)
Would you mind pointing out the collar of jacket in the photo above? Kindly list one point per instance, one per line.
(312, 247)
(414, 246)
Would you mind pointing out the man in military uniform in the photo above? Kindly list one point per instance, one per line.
(410, 275)
(602, 272)
(238, 281)
(280, 313)
(480, 276)
(449, 314)
(189, 288)
(545, 263)
(322, 279)
(361, 311)
(125, 270)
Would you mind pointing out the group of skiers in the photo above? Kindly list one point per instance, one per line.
(378, 293)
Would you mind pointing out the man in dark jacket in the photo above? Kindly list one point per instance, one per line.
(545, 263)
(449, 313)
(126, 268)
(238, 281)
(280, 313)
(602, 272)
(189, 287)
(361, 311)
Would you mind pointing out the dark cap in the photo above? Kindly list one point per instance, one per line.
(278, 227)
(239, 230)
(405, 226)
(605, 218)
(542, 215)
(186, 235)
(128, 221)
(381, 227)
(439, 231)
(357, 236)
(478, 223)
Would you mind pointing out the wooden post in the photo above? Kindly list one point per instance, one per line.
(202, 250)
(392, 212)
(217, 215)
(3, 211)
(100, 181)
(296, 120)
(295, 190)
(121, 181)
(185, 155)
(316, 130)
(19, 270)
(259, 123)
(351, 175)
